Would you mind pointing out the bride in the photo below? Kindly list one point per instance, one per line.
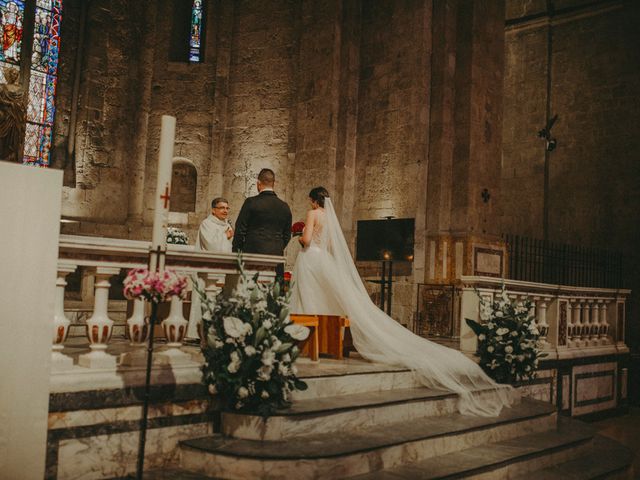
(326, 282)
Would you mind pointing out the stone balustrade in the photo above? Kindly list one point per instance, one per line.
(106, 257)
(568, 318)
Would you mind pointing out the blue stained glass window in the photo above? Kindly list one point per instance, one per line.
(11, 20)
(43, 81)
(195, 45)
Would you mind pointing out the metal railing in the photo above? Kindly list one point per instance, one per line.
(535, 260)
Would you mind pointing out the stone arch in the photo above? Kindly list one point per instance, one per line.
(184, 183)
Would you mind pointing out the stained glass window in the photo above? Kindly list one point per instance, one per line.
(42, 84)
(195, 45)
(11, 20)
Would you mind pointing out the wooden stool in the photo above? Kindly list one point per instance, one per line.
(310, 345)
(332, 338)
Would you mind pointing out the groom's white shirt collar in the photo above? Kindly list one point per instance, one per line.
(267, 189)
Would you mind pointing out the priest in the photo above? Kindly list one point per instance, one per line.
(215, 235)
(215, 232)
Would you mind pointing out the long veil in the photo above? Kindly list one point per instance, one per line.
(379, 338)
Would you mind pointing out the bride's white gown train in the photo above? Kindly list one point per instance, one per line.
(325, 281)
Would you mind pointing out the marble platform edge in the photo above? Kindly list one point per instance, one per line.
(612, 458)
(80, 378)
(359, 401)
(473, 462)
(485, 423)
(87, 433)
(125, 396)
(123, 426)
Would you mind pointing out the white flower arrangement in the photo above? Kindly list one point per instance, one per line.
(508, 338)
(176, 236)
(250, 347)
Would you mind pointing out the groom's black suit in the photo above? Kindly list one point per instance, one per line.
(263, 225)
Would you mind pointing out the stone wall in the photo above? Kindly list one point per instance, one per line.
(393, 118)
(102, 140)
(594, 175)
(260, 96)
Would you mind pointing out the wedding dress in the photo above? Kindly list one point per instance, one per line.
(325, 281)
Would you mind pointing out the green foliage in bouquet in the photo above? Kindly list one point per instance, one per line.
(508, 339)
(250, 347)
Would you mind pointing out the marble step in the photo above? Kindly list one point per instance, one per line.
(521, 456)
(341, 413)
(349, 452)
(608, 459)
(331, 384)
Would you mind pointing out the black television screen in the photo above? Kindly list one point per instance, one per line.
(385, 239)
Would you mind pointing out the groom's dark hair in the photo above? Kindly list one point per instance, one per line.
(267, 177)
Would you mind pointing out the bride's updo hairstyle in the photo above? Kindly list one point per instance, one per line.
(318, 195)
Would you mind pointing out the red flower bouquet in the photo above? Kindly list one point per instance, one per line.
(297, 228)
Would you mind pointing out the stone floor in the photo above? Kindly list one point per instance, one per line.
(626, 430)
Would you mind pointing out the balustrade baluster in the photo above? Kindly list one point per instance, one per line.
(175, 330)
(175, 325)
(603, 334)
(586, 322)
(541, 320)
(577, 324)
(99, 325)
(569, 324)
(595, 323)
(138, 325)
(60, 321)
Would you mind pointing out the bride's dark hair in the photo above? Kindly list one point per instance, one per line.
(318, 195)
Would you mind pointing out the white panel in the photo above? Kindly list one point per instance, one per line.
(30, 218)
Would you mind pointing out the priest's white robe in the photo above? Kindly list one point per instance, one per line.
(212, 237)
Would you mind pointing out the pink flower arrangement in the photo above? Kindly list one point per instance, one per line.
(154, 286)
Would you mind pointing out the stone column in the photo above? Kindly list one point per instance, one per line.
(137, 167)
(221, 57)
(465, 141)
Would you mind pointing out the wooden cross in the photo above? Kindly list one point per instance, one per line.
(165, 196)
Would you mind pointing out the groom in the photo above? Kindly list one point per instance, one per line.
(264, 222)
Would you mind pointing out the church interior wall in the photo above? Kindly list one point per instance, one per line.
(594, 175)
(261, 88)
(328, 93)
(392, 129)
(95, 154)
(185, 91)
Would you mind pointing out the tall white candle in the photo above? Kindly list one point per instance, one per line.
(163, 185)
